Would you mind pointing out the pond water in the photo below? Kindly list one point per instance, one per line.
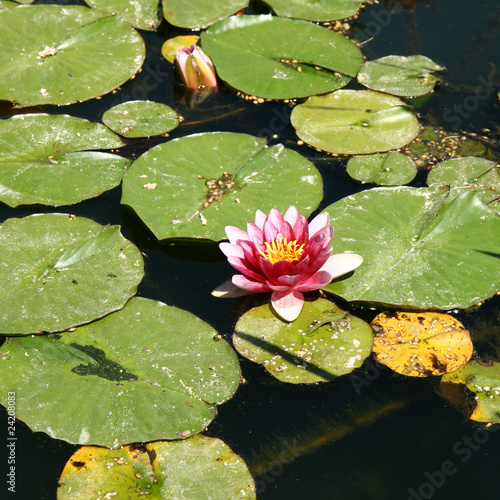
(369, 435)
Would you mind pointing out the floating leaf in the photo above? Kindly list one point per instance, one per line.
(51, 54)
(149, 371)
(194, 186)
(7, 4)
(198, 468)
(141, 118)
(388, 169)
(322, 10)
(45, 159)
(475, 388)
(355, 122)
(198, 14)
(298, 68)
(420, 344)
(402, 76)
(477, 174)
(172, 45)
(59, 271)
(420, 249)
(323, 343)
(141, 14)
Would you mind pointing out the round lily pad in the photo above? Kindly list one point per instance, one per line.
(421, 344)
(59, 271)
(320, 10)
(141, 14)
(475, 388)
(45, 159)
(149, 371)
(323, 343)
(355, 122)
(7, 4)
(410, 76)
(54, 54)
(387, 169)
(141, 118)
(420, 247)
(287, 56)
(194, 186)
(198, 14)
(198, 468)
(469, 173)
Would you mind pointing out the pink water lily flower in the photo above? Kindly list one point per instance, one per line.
(284, 255)
(195, 69)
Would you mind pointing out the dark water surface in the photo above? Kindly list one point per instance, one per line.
(372, 435)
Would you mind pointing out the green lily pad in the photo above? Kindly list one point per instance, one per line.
(476, 174)
(420, 249)
(148, 372)
(355, 122)
(59, 271)
(323, 343)
(141, 118)
(410, 76)
(51, 54)
(198, 14)
(198, 468)
(481, 400)
(319, 10)
(7, 4)
(141, 14)
(45, 159)
(194, 186)
(287, 56)
(387, 169)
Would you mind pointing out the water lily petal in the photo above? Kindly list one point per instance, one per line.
(315, 282)
(270, 231)
(320, 240)
(230, 250)
(247, 284)
(228, 290)
(255, 233)
(260, 218)
(289, 280)
(300, 229)
(245, 268)
(291, 215)
(276, 218)
(321, 220)
(342, 263)
(235, 234)
(287, 304)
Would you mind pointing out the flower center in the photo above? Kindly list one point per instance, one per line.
(280, 249)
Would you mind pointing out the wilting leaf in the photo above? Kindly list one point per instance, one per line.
(402, 76)
(194, 186)
(59, 271)
(61, 54)
(420, 344)
(141, 118)
(355, 122)
(149, 371)
(420, 249)
(298, 68)
(323, 343)
(387, 169)
(476, 389)
(198, 468)
(45, 159)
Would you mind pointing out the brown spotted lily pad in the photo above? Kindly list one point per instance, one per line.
(420, 344)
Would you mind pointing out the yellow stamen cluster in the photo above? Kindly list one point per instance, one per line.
(280, 249)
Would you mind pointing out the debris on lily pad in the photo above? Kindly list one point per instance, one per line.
(323, 343)
(386, 169)
(409, 76)
(140, 118)
(420, 344)
(475, 389)
(198, 468)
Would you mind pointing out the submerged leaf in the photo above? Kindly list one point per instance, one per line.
(420, 344)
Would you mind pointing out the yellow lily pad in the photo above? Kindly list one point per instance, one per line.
(420, 344)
